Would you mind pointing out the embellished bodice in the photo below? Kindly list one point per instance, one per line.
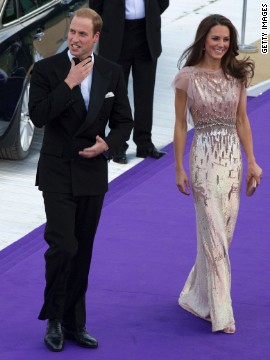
(212, 99)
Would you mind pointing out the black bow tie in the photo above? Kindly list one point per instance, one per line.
(77, 61)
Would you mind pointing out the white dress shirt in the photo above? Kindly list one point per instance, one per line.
(135, 9)
(85, 85)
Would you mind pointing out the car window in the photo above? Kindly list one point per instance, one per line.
(9, 13)
(43, 2)
(27, 6)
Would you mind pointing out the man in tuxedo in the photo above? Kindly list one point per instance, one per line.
(131, 36)
(75, 95)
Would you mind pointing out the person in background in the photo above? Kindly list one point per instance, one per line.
(74, 95)
(131, 36)
(210, 92)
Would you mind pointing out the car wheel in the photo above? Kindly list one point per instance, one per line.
(24, 133)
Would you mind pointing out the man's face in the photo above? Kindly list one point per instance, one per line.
(81, 39)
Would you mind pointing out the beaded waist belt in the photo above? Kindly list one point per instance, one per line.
(206, 125)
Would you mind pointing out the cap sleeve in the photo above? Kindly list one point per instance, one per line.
(181, 80)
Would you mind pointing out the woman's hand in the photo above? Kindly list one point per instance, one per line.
(182, 182)
(254, 170)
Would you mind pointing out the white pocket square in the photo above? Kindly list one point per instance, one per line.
(109, 94)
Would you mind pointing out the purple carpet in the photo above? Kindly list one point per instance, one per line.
(144, 250)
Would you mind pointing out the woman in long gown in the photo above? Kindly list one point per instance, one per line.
(210, 92)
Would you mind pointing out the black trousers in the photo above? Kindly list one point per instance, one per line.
(70, 230)
(136, 58)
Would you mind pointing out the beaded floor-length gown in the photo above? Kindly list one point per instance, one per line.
(215, 175)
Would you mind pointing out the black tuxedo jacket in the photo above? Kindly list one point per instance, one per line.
(113, 16)
(69, 127)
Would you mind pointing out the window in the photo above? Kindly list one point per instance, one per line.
(9, 13)
(27, 6)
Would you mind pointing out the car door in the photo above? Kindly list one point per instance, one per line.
(29, 30)
(48, 22)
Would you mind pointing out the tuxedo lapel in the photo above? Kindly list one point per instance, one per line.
(79, 105)
(147, 7)
(100, 83)
(62, 71)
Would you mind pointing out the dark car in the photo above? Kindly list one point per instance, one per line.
(29, 30)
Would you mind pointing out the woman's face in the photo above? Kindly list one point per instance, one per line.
(217, 43)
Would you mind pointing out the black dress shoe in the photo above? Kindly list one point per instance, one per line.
(152, 152)
(54, 338)
(120, 158)
(82, 337)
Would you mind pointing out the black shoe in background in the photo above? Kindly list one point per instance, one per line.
(152, 152)
(120, 158)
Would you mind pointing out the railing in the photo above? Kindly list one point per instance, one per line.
(242, 46)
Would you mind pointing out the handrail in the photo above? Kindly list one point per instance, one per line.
(242, 46)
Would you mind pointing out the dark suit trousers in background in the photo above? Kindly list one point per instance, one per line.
(135, 57)
(70, 230)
